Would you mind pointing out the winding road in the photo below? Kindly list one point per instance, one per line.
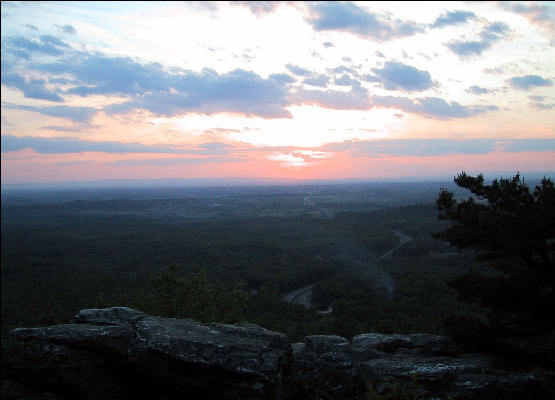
(304, 295)
(300, 296)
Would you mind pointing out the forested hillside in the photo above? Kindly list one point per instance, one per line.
(60, 257)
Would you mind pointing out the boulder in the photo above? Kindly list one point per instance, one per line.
(121, 353)
(437, 367)
(323, 369)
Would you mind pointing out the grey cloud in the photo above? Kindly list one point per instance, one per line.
(64, 145)
(155, 89)
(53, 40)
(413, 147)
(32, 27)
(542, 106)
(395, 76)
(453, 18)
(62, 128)
(70, 30)
(431, 107)
(99, 74)
(298, 70)
(259, 8)
(538, 14)
(21, 47)
(209, 92)
(467, 48)
(345, 80)
(370, 78)
(348, 17)
(478, 90)
(536, 98)
(32, 89)
(317, 80)
(62, 81)
(495, 31)
(80, 115)
(214, 145)
(354, 100)
(528, 82)
(342, 69)
(438, 147)
(282, 78)
(492, 33)
(518, 145)
(357, 99)
(494, 71)
(176, 161)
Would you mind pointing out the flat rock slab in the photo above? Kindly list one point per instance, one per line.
(121, 353)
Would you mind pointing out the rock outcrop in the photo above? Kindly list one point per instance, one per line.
(121, 353)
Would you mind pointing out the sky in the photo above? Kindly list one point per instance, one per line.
(300, 90)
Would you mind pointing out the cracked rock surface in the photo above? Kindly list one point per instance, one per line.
(121, 353)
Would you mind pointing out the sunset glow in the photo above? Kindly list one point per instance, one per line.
(139, 90)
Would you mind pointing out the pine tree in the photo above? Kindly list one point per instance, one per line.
(512, 231)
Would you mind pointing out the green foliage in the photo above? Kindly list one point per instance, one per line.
(189, 296)
(56, 259)
(512, 230)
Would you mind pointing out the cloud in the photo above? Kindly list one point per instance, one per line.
(542, 106)
(31, 88)
(176, 161)
(342, 69)
(348, 17)
(528, 82)
(519, 145)
(453, 18)
(357, 99)
(494, 70)
(488, 36)
(536, 98)
(399, 76)
(81, 115)
(208, 92)
(53, 40)
(370, 78)
(352, 100)
(438, 147)
(68, 29)
(296, 70)
(259, 8)
(478, 90)
(32, 27)
(467, 48)
(538, 103)
(282, 78)
(100, 74)
(21, 47)
(62, 128)
(165, 93)
(345, 80)
(541, 15)
(328, 44)
(64, 145)
(413, 147)
(317, 80)
(431, 107)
